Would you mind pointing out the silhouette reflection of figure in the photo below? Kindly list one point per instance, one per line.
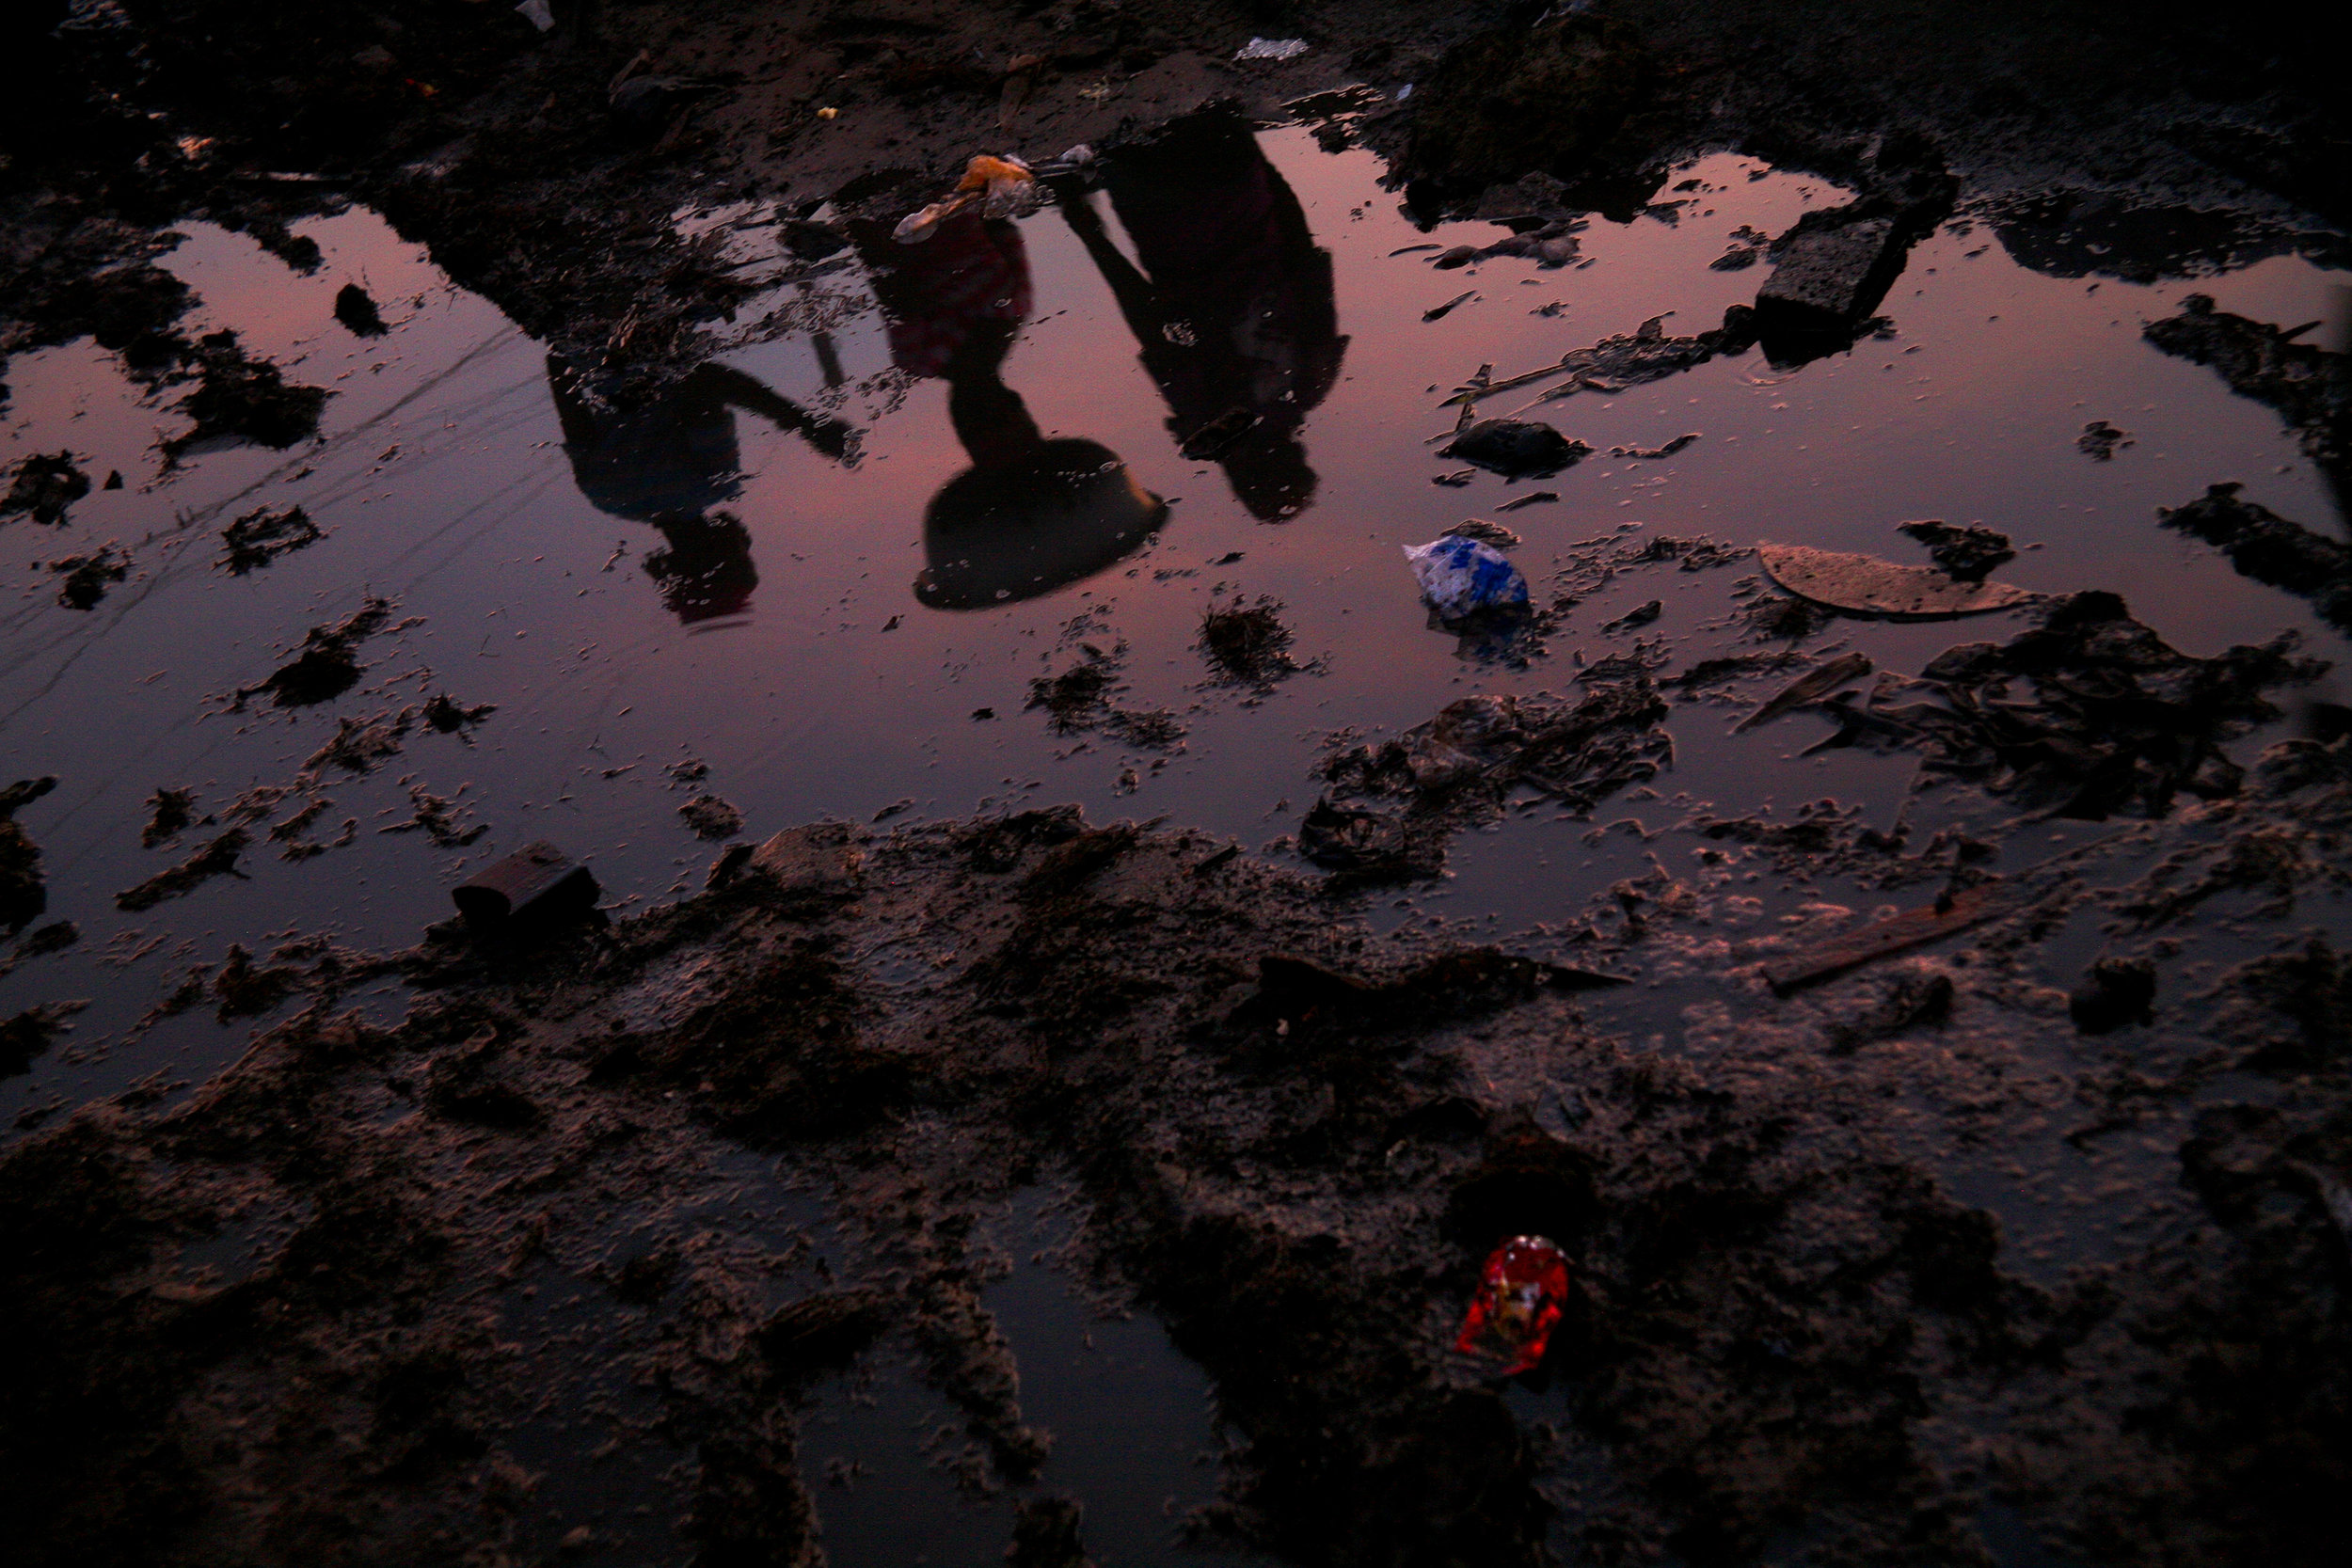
(1030, 514)
(671, 463)
(1233, 305)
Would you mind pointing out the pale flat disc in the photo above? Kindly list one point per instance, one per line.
(1865, 585)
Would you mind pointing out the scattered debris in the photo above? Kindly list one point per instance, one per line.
(1079, 698)
(1520, 1292)
(1436, 312)
(46, 484)
(712, 817)
(217, 859)
(1808, 687)
(328, 665)
(1914, 1002)
(1000, 187)
(356, 311)
(261, 535)
(84, 578)
(1966, 550)
(437, 818)
(1455, 480)
(1480, 748)
(2269, 548)
(241, 397)
(1833, 956)
(1867, 586)
(2089, 716)
(1461, 576)
(1640, 615)
(2100, 440)
(1516, 449)
(1271, 49)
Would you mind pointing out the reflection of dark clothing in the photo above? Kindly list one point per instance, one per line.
(1030, 514)
(670, 463)
(681, 453)
(1234, 305)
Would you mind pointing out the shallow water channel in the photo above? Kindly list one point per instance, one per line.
(810, 649)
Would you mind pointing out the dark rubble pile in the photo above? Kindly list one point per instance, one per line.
(1484, 747)
(2091, 714)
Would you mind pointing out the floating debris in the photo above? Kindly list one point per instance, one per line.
(1484, 532)
(217, 859)
(2100, 440)
(328, 664)
(1966, 550)
(1515, 448)
(1808, 687)
(1461, 576)
(261, 535)
(85, 579)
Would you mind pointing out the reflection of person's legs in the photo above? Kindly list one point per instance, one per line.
(989, 417)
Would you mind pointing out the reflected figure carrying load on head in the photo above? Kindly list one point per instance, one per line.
(673, 464)
(1233, 306)
(1030, 514)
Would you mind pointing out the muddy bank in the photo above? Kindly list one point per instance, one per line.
(291, 1314)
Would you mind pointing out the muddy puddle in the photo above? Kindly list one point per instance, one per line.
(812, 584)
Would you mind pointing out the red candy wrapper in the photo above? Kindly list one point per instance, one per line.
(1517, 1304)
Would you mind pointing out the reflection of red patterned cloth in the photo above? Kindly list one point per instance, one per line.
(968, 273)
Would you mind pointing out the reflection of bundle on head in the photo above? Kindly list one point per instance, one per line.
(1061, 510)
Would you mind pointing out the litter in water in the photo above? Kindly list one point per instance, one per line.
(1461, 576)
(1517, 1305)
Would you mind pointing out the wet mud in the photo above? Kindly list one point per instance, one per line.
(1941, 1103)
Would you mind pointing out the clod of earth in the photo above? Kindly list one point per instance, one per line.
(27, 1035)
(446, 713)
(261, 535)
(356, 311)
(1478, 749)
(1516, 449)
(237, 395)
(2101, 440)
(169, 811)
(217, 859)
(1484, 532)
(1867, 586)
(2310, 386)
(1966, 550)
(22, 892)
(2269, 548)
(83, 579)
(712, 817)
(2116, 992)
(328, 664)
(44, 485)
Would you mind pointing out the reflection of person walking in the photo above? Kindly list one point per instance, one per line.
(1233, 305)
(669, 464)
(1030, 514)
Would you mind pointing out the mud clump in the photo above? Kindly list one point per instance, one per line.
(83, 579)
(446, 715)
(217, 859)
(1967, 551)
(1080, 699)
(358, 313)
(1517, 448)
(2269, 548)
(168, 812)
(328, 664)
(238, 396)
(43, 486)
(1522, 100)
(712, 817)
(2310, 387)
(27, 1035)
(1480, 748)
(24, 894)
(1248, 642)
(261, 535)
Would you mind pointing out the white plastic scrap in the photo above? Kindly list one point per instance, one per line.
(1459, 576)
(537, 13)
(1272, 49)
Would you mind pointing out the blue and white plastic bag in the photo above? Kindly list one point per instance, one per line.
(1461, 576)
